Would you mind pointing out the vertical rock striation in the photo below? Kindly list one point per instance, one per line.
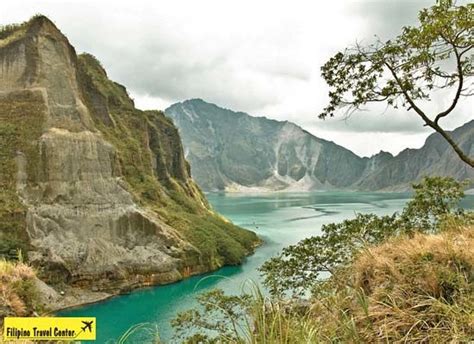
(97, 193)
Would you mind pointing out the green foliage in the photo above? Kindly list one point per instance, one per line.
(220, 242)
(434, 199)
(373, 279)
(298, 268)
(11, 244)
(21, 121)
(151, 160)
(412, 60)
(250, 317)
(410, 68)
(218, 319)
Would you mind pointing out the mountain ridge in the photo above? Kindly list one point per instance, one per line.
(330, 172)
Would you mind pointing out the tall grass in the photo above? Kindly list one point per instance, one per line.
(276, 322)
(410, 289)
(142, 332)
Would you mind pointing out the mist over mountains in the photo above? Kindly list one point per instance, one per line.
(234, 151)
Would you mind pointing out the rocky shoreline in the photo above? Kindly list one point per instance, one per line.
(68, 297)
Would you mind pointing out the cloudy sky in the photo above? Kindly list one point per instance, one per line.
(261, 57)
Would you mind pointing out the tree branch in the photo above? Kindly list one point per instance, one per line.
(408, 98)
(458, 91)
(433, 124)
(464, 157)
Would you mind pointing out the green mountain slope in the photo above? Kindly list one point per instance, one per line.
(96, 193)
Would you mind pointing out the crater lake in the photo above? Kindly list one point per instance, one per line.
(280, 219)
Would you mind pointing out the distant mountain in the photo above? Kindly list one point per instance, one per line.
(436, 157)
(234, 151)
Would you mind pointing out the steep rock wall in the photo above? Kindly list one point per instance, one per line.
(97, 193)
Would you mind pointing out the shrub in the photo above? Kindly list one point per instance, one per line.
(18, 294)
(298, 268)
(372, 279)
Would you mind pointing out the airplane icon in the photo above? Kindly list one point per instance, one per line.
(88, 325)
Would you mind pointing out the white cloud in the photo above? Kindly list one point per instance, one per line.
(262, 57)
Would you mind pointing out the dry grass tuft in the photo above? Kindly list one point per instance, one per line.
(17, 289)
(417, 289)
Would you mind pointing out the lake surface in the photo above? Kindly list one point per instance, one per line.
(281, 219)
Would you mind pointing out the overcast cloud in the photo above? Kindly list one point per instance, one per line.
(261, 57)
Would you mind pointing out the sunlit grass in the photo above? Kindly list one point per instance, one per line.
(410, 289)
(146, 332)
(17, 292)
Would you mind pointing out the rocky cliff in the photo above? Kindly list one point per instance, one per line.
(435, 158)
(233, 151)
(97, 193)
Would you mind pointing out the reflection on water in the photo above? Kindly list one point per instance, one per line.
(281, 219)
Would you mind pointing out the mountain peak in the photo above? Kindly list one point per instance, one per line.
(196, 100)
(41, 20)
(382, 153)
(231, 150)
(33, 26)
(38, 26)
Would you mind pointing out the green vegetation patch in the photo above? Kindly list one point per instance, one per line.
(407, 277)
(21, 125)
(151, 160)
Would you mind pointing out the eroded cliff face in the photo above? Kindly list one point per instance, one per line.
(97, 193)
(233, 151)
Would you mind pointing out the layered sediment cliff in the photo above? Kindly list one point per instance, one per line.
(97, 193)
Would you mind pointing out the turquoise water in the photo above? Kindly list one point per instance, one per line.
(281, 219)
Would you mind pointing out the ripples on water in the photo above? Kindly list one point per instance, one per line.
(281, 219)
